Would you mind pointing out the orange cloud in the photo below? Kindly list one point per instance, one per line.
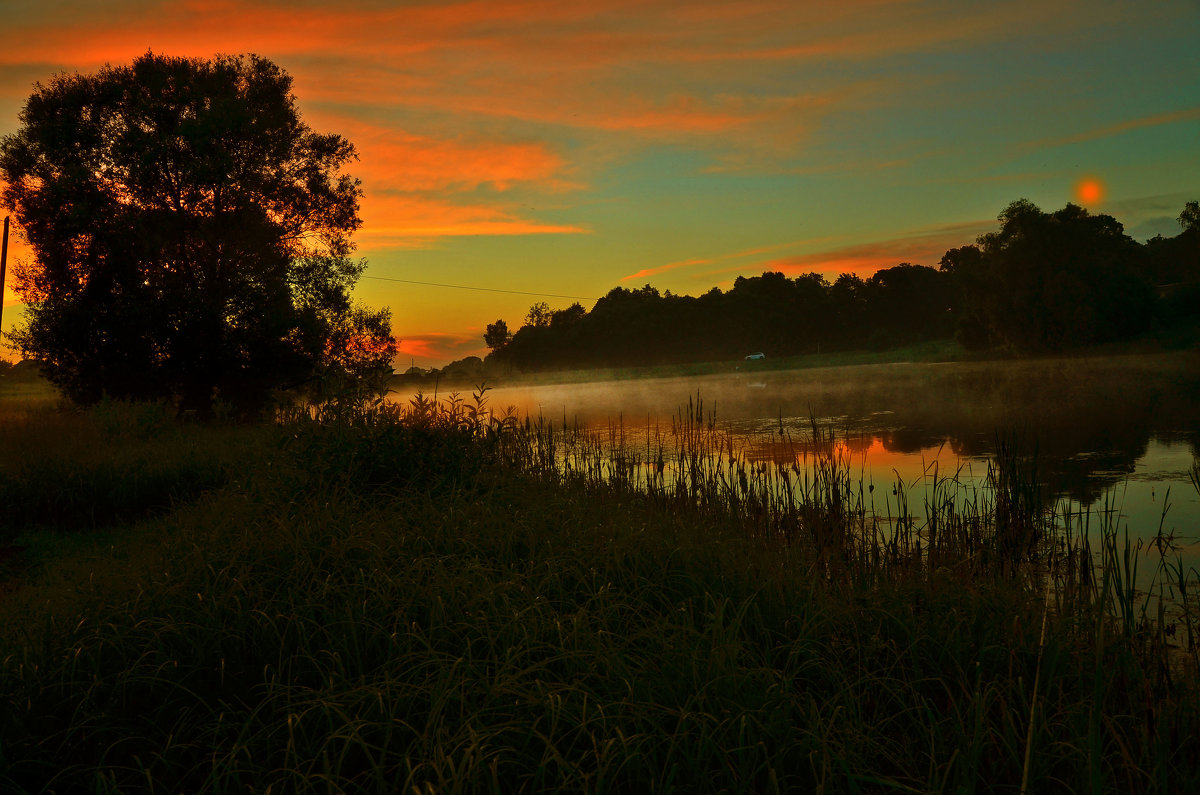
(613, 69)
(97, 33)
(664, 268)
(410, 221)
(921, 248)
(750, 252)
(421, 348)
(437, 347)
(544, 37)
(614, 109)
(539, 61)
(406, 162)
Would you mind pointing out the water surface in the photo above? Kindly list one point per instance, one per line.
(1114, 432)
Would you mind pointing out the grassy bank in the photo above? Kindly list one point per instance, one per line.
(429, 598)
(945, 350)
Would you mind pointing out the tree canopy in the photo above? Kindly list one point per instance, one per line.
(496, 335)
(1053, 281)
(191, 235)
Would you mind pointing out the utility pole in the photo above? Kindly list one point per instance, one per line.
(3, 266)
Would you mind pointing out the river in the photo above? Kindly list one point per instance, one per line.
(1121, 432)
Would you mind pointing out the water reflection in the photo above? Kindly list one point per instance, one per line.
(1122, 428)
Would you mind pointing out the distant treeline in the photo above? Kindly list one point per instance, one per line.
(1042, 282)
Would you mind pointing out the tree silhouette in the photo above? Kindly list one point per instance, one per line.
(1053, 281)
(565, 318)
(1189, 219)
(538, 315)
(496, 335)
(1042, 281)
(967, 271)
(191, 236)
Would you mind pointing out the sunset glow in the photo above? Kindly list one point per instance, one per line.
(568, 148)
(1089, 191)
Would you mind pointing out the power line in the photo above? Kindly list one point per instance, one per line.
(480, 289)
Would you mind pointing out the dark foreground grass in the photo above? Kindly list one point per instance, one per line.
(370, 600)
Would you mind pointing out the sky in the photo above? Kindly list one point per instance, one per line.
(519, 151)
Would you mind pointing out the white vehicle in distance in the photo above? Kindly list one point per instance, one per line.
(756, 357)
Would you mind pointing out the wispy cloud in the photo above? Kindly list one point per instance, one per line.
(398, 160)
(438, 347)
(1109, 130)
(724, 257)
(644, 272)
(538, 60)
(922, 247)
(407, 221)
(412, 185)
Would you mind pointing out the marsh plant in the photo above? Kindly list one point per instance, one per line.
(440, 596)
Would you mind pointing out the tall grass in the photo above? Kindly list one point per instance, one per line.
(438, 597)
(66, 469)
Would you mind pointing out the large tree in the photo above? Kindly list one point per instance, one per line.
(191, 235)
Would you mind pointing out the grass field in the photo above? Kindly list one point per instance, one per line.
(429, 598)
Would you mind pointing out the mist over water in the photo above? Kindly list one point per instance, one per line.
(1120, 430)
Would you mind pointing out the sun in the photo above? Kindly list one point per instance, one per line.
(1089, 190)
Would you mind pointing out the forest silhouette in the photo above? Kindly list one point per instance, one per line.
(1042, 283)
